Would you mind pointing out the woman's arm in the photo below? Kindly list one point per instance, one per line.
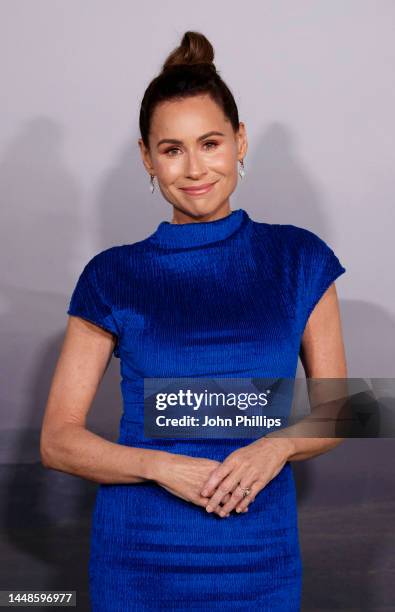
(323, 356)
(65, 443)
(256, 464)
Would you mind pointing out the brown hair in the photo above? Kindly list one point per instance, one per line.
(188, 71)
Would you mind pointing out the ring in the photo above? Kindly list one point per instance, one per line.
(246, 491)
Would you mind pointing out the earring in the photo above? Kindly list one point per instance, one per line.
(241, 170)
(152, 186)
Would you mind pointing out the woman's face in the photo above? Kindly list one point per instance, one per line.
(185, 152)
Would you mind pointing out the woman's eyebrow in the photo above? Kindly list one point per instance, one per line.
(175, 141)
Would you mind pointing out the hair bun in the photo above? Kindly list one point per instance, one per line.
(194, 49)
(188, 71)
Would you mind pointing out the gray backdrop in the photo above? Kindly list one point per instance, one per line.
(314, 85)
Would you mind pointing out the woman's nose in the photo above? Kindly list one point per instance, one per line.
(195, 166)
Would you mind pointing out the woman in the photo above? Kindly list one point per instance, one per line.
(211, 293)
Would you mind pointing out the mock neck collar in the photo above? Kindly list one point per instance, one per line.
(199, 233)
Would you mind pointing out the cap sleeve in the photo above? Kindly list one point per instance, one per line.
(321, 268)
(87, 302)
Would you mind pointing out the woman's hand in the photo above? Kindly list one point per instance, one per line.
(184, 476)
(253, 466)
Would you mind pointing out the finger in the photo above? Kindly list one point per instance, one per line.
(244, 504)
(226, 499)
(221, 514)
(238, 500)
(215, 478)
(226, 486)
(206, 501)
(247, 501)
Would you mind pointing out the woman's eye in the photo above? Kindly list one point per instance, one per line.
(169, 151)
(211, 143)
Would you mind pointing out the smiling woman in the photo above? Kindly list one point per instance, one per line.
(192, 138)
(212, 293)
(198, 175)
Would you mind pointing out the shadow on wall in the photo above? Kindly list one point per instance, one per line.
(46, 514)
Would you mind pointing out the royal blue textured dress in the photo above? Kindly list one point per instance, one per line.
(226, 298)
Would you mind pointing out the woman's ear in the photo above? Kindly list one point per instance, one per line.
(242, 145)
(146, 157)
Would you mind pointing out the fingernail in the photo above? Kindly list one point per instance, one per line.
(238, 509)
(208, 508)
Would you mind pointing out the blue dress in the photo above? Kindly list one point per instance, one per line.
(227, 298)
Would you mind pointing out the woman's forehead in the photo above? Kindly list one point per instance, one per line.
(190, 117)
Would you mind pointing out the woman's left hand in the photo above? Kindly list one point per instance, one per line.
(253, 466)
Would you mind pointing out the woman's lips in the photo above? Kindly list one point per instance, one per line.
(200, 191)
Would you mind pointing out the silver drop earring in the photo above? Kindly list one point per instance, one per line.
(241, 169)
(152, 185)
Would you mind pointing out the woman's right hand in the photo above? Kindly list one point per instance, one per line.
(184, 476)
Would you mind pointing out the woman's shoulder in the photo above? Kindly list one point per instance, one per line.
(109, 269)
(287, 237)
(288, 232)
(117, 255)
